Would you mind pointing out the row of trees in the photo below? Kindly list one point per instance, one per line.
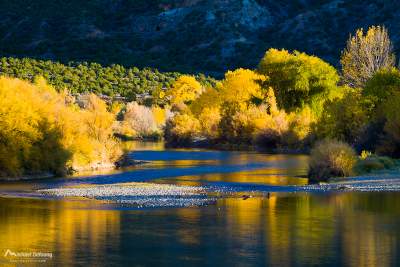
(366, 116)
(290, 101)
(242, 109)
(294, 99)
(92, 77)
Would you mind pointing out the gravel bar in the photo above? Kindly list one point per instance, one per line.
(139, 194)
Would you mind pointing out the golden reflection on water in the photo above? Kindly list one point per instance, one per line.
(309, 229)
(260, 176)
(353, 229)
(62, 226)
(140, 145)
(189, 235)
(182, 163)
(350, 228)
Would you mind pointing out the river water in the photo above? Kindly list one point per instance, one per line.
(279, 229)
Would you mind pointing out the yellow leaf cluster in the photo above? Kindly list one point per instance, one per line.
(159, 115)
(239, 110)
(185, 126)
(185, 89)
(209, 120)
(41, 132)
(241, 86)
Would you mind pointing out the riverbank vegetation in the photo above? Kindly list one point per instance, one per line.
(291, 102)
(42, 131)
(294, 100)
(331, 158)
(141, 122)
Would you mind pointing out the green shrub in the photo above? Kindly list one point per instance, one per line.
(387, 162)
(368, 165)
(390, 144)
(373, 163)
(382, 85)
(330, 158)
(345, 122)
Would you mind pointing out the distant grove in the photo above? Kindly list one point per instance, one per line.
(84, 77)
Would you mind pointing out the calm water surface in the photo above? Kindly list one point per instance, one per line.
(301, 229)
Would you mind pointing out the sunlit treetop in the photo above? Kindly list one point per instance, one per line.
(365, 54)
(297, 78)
(241, 86)
(184, 90)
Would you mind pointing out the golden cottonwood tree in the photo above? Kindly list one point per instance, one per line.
(41, 132)
(185, 89)
(28, 135)
(241, 86)
(365, 54)
(298, 79)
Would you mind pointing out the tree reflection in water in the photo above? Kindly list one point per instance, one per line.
(355, 229)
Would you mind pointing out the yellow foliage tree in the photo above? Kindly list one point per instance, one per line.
(185, 89)
(298, 79)
(241, 86)
(299, 126)
(271, 102)
(209, 120)
(41, 132)
(182, 128)
(365, 54)
(210, 98)
(98, 122)
(238, 110)
(159, 115)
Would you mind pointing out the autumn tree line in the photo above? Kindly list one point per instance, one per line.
(291, 101)
(297, 101)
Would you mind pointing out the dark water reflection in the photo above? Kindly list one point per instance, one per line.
(353, 229)
(300, 229)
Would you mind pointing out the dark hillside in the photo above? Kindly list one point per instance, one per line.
(208, 36)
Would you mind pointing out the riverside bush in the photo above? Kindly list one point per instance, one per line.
(139, 121)
(373, 163)
(331, 158)
(237, 111)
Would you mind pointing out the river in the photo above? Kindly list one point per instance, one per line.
(277, 229)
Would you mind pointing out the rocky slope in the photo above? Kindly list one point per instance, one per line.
(185, 35)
